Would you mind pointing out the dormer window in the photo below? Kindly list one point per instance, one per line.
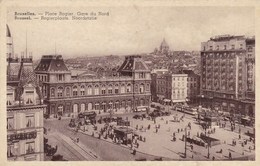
(10, 99)
(29, 97)
(141, 75)
(60, 77)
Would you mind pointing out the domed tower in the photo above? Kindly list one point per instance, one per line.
(164, 48)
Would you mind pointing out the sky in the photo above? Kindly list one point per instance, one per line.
(127, 30)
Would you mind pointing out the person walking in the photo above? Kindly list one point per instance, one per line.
(230, 156)
(134, 151)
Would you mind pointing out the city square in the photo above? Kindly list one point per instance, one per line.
(91, 92)
(160, 143)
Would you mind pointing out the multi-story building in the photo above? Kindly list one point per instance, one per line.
(24, 109)
(154, 74)
(227, 81)
(172, 88)
(193, 86)
(66, 96)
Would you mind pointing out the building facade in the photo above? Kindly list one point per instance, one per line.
(172, 88)
(66, 96)
(24, 109)
(154, 74)
(228, 67)
(193, 86)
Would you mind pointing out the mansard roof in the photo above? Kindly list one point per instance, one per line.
(52, 63)
(27, 77)
(133, 64)
(13, 71)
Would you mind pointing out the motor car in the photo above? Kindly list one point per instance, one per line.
(136, 116)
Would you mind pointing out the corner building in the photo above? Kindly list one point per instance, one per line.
(228, 74)
(67, 96)
(24, 109)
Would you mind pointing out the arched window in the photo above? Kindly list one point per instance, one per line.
(141, 88)
(96, 90)
(68, 91)
(136, 88)
(103, 89)
(82, 90)
(75, 91)
(110, 89)
(96, 106)
(103, 106)
(82, 107)
(89, 90)
(128, 88)
(123, 88)
(116, 89)
(123, 104)
(60, 110)
(147, 87)
(60, 92)
(75, 108)
(117, 105)
(110, 105)
(52, 92)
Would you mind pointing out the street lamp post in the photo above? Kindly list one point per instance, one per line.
(185, 144)
(208, 141)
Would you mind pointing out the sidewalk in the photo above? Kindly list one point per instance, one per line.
(80, 148)
(88, 133)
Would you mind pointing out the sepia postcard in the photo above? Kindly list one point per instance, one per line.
(173, 82)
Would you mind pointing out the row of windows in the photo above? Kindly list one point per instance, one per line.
(42, 78)
(232, 47)
(174, 79)
(192, 79)
(29, 122)
(29, 98)
(13, 149)
(97, 90)
(101, 105)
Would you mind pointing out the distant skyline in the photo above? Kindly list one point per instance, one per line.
(128, 30)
